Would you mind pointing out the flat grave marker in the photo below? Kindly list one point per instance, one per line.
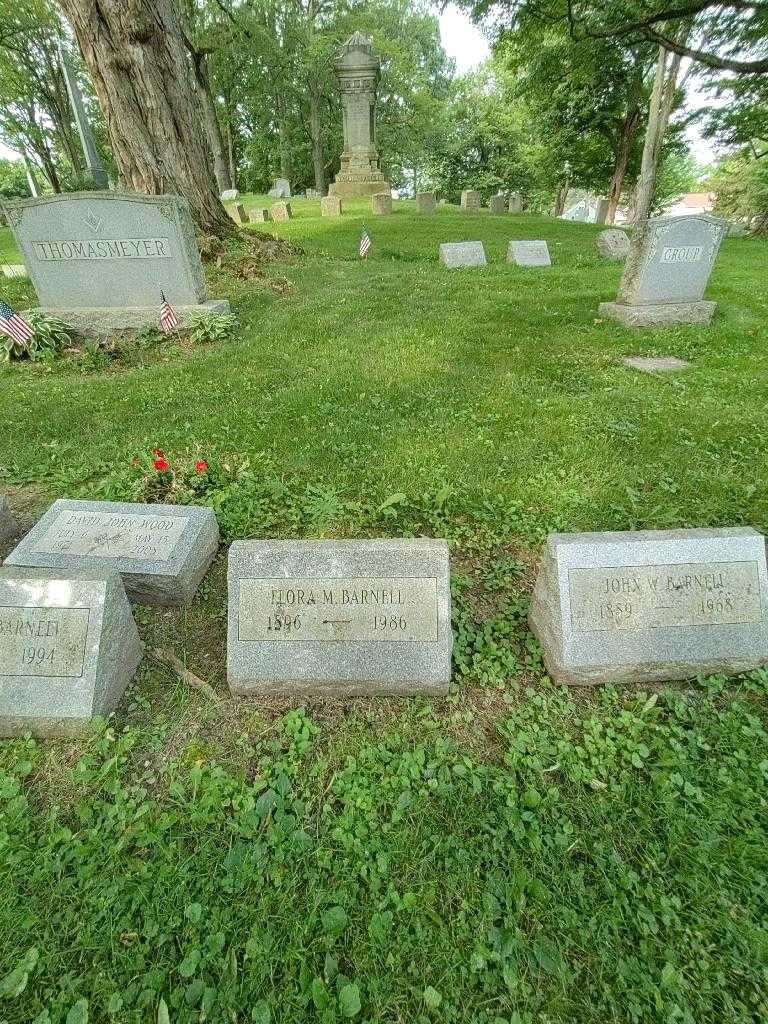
(455, 255)
(656, 364)
(162, 552)
(651, 605)
(667, 272)
(69, 647)
(339, 618)
(529, 253)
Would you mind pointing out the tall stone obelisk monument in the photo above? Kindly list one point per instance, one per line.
(358, 69)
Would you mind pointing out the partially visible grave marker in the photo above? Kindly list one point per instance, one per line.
(498, 204)
(281, 211)
(462, 254)
(613, 244)
(330, 206)
(425, 202)
(381, 203)
(470, 200)
(656, 364)
(529, 253)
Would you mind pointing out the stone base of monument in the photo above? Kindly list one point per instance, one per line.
(106, 320)
(339, 618)
(659, 315)
(69, 647)
(358, 189)
(648, 606)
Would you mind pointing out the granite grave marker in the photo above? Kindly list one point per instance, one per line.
(330, 206)
(339, 618)
(69, 647)
(162, 552)
(470, 200)
(425, 202)
(666, 273)
(651, 605)
(260, 215)
(229, 195)
(613, 244)
(462, 254)
(282, 211)
(529, 253)
(381, 203)
(281, 189)
(515, 203)
(498, 204)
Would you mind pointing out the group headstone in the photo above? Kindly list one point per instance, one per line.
(462, 254)
(339, 618)
(7, 522)
(281, 189)
(381, 203)
(229, 195)
(651, 605)
(260, 215)
(281, 211)
(613, 244)
(69, 647)
(515, 203)
(425, 202)
(330, 206)
(666, 273)
(527, 253)
(162, 552)
(101, 261)
(498, 204)
(470, 200)
(358, 70)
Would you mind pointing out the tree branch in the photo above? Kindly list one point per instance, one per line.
(710, 60)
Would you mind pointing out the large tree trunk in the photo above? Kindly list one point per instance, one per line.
(561, 197)
(135, 52)
(284, 137)
(627, 133)
(316, 135)
(212, 126)
(662, 99)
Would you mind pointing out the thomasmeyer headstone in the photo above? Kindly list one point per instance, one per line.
(462, 254)
(613, 244)
(7, 522)
(339, 618)
(100, 261)
(529, 253)
(162, 552)
(282, 211)
(651, 605)
(69, 647)
(669, 264)
(470, 200)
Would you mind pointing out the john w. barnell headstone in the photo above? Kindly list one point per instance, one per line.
(101, 260)
(651, 605)
(162, 552)
(68, 649)
(339, 618)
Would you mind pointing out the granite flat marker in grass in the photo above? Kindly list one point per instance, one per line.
(529, 253)
(656, 364)
(339, 618)
(462, 254)
(651, 605)
(68, 649)
(162, 552)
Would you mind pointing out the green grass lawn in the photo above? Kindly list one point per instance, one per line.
(516, 854)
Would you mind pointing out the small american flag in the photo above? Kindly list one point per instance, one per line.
(15, 326)
(169, 322)
(365, 243)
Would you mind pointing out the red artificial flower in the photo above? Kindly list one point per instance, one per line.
(158, 453)
(201, 465)
(161, 465)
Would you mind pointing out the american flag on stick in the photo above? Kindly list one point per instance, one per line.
(15, 326)
(365, 243)
(169, 322)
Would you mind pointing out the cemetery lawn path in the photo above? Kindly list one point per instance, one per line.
(516, 854)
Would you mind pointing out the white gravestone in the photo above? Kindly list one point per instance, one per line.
(339, 618)
(529, 253)
(101, 261)
(651, 605)
(462, 254)
(666, 273)
(229, 195)
(68, 650)
(281, 189)
(162, 552)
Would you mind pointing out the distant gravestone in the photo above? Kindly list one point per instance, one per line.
(462, 254)
(260, 215)
(613, 244)
(651, 605)
(515, 203)
(281, 189)
(162, 552)
(470, 201)
(330, 206)
(666, 273)
(241, 217)
(100, 261)
(381, 203)
(529, 253)
(229, 195)
(339, 618)
(601, 211)
(425, 202)
(68, 650)
(7, 522)
(282, 211)
(656, 364)
(312, 193)
(498, 204)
